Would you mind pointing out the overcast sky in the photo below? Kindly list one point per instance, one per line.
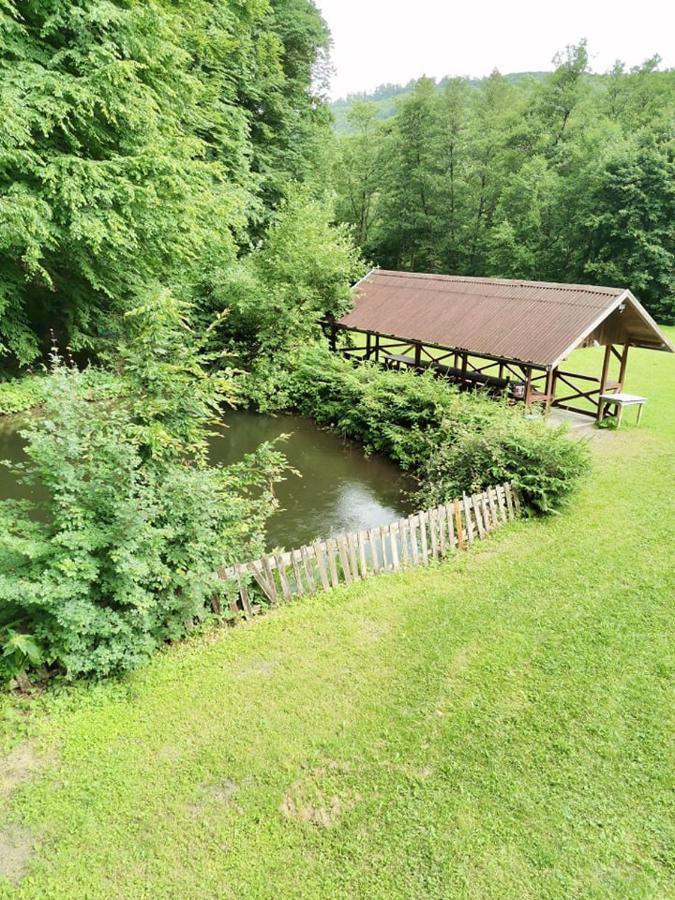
(379, 41)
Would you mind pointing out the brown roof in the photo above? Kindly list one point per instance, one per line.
(529, 321)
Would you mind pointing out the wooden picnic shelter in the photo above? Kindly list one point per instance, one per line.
(501, 335)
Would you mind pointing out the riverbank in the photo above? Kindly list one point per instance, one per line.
(494, 726)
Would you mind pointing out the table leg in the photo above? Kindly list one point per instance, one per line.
(639, 415)
(619, 413)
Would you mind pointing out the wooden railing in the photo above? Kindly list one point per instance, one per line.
(414, 541)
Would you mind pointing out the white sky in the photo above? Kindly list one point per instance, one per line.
(379, 41)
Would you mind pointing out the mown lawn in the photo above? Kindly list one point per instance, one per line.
(497, 726)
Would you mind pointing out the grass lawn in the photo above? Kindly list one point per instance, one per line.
(496, 726)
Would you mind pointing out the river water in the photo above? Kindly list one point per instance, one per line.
(340, 489)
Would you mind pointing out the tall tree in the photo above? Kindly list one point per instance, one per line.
(629, 219)
(142, 142)
(357, 171)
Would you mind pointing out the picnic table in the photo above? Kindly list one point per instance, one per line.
(620, 400)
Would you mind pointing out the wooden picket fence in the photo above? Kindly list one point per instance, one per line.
(414, 541)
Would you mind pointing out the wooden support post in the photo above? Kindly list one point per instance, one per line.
(528, 385)
(333, 338)
(603, 380)
(550, 378)
(377, 348)
(465, 361)
(418, 354)
(622, 366)
(554, 384)
(368, 345)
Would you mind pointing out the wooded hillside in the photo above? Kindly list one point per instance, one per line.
(564, 177)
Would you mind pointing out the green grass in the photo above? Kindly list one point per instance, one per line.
(496, 726)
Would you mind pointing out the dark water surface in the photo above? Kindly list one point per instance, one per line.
(340, 489)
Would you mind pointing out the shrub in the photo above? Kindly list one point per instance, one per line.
(28, 392)
(543, 463)
(454, 442)
(276, 296)
(121, 554)
(20, 394)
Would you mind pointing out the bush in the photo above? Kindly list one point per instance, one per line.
(121, 554)
(276, 296)
(28, 392)
(542, 463)
(20, 394)
(454, 442)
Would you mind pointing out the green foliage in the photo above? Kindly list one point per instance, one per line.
(275, 297)
(564, 177)
(123, 552)
(142, 142)
(629, 215)
(454, 442)
(20, 394)
(495, 726)
(27, 392)
(544, 464)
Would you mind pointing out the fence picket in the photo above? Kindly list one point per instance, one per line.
(412, 522)
(509, 501)
(331, 550)
(353, 557)
(393, 539)
(309, 569)
(320, 554)
(450, 514)
(490, 497)
(423, 537)
(362, 540)
(269, 572)
(243, 589)
(467, 516)
(481, 522)
(384, 531)
(296, 559)
(458, 525)
(281, 571)
(373, 536)
(501, 502)
(344, 559)
(402, 526)
(441, 516)
(431, 518)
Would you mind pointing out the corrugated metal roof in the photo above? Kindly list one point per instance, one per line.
(530, 321)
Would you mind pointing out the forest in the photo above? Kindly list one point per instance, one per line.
(565, 176)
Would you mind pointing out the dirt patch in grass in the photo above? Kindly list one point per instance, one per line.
(257, 668)
(310, 800)
(372, 631)
(16, 850)
(323, 816)
(20, 765)
(222, 791)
